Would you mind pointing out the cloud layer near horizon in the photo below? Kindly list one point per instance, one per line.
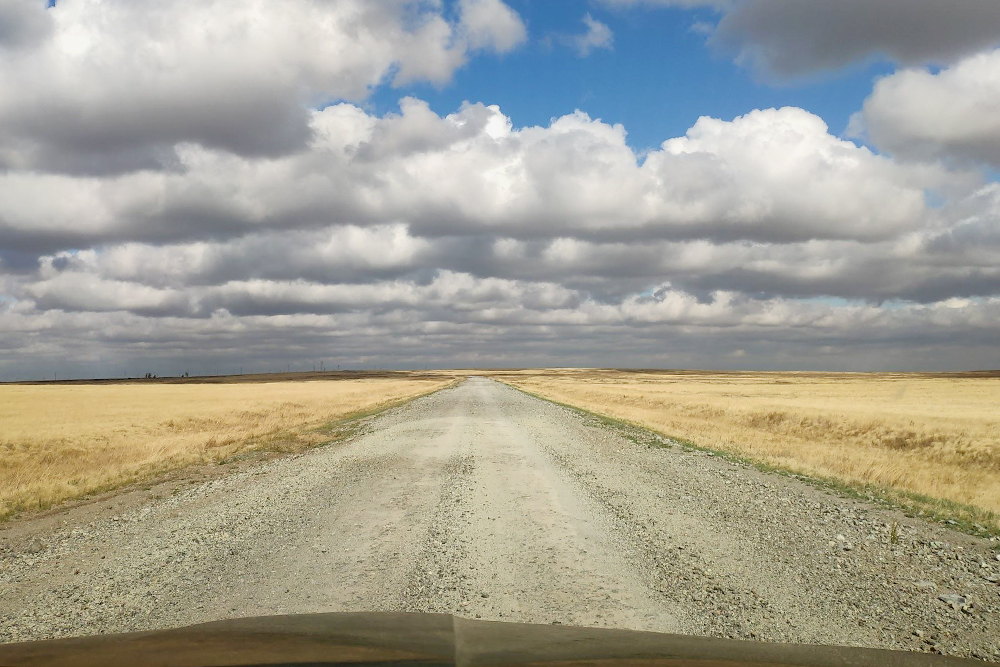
(145, 218)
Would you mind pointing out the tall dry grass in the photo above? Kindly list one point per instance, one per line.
(938, 436)
(65, 441)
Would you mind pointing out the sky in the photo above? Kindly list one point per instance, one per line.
(201, 187)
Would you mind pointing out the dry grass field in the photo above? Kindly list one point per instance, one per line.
(60, 441)
(919, 437)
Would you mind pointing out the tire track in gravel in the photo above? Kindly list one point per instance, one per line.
(513, 540)
(485, 502)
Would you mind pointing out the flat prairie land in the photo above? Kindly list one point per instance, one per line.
(483, 501)
(62, 441)
(930, 441)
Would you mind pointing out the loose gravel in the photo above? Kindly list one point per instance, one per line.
(487, 503)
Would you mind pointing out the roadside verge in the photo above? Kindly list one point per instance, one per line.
(74, 444)
(965, 518)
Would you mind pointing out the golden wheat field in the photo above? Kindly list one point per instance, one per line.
(65, 441)
(936, 435)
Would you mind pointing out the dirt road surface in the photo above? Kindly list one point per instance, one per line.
(487, 503)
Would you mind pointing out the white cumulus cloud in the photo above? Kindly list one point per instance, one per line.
(794, 38)
(950, 115)
(114, 85)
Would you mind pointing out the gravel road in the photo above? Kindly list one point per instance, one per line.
(487, 503)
